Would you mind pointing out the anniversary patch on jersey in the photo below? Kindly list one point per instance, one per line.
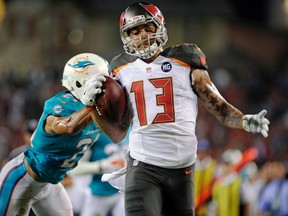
(57, 109)
(166, 67)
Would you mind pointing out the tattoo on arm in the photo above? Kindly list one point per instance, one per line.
(214, 102)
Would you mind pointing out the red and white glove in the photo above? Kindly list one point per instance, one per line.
(112, 163)
(92, 87)
(256, 123)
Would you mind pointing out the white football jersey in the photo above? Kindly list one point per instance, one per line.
(165, 106)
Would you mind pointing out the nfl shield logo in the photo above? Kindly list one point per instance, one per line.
(148, 69)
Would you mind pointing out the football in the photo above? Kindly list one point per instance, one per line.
(111, 102)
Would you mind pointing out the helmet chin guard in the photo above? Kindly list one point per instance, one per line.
(79, 68)
(138, 14)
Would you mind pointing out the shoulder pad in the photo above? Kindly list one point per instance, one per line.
(121, 60)
(61, 104)
(188, 53)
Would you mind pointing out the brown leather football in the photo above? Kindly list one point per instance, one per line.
(111, 102)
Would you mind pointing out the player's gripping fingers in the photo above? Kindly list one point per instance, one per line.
(91, 89)
(97, 78)
(93, 85)
(95, 81)
(96, 91)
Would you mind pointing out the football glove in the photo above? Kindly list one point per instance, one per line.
(112, 163)
(256, 123)
(92, 87)
(108, 165)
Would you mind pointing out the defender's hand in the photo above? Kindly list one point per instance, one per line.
(91, 89)
(256, 123)
(113, 163)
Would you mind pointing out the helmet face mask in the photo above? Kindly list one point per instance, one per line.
(79, 68)
(142, 14)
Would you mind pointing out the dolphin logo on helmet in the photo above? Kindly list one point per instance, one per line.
(81, 64)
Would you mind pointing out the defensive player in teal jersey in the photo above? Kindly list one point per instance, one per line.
(104, 157)
(65, 131)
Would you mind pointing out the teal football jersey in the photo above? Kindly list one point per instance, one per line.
(102, 149)
(51, 155)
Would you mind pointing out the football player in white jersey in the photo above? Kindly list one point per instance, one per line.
(164, 86)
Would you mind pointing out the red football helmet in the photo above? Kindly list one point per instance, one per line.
(138, 14)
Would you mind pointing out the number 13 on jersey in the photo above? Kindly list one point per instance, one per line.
(166, 100)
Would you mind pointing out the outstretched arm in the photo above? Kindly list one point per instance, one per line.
(224, 111)
(69, 124)
(214, 102)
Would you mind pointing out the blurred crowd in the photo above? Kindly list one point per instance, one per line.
(22, 98)
(235, 184)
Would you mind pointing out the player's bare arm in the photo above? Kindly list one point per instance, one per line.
(214, 102)
(69, 124)
(115, 132)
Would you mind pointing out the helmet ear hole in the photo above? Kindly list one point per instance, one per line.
(78, 84)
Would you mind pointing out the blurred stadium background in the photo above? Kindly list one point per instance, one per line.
(246, 44)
